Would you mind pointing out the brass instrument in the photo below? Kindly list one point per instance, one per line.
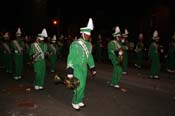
(69, 83)
(35, 57)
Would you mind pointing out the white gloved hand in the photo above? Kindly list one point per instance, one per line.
(70, 76)
(120, 53)
(94, 72)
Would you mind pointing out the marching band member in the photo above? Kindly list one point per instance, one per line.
(171, 56)
(153, 55)
(37, 51)
(7, 53)
(18, 46)
(115, 53)
(125, 50)
(80, 55)
(139, 51)
(53, 53)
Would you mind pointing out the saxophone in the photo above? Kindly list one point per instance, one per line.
(71, 83)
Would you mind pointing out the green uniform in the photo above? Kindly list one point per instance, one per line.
(139, 54)
(113, 51)
(53, 57)
(39, 64)
(171, 57)
(125, 57)
(7, 56)
(18, 46)
(60, 48)
(26, 52)
(79, 58)
(154, 58)
(99, 49)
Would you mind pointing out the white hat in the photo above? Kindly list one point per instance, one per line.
(18, 33)
(87, 30)
(117, 32)
(6, 35)
(43, 34)
(126, 33)
(155, 35)
(140, 36)
(54, 38)
(61, 37)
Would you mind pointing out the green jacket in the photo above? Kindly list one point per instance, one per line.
(33, 50)
(18, 50)
(78, 56)
(113, 49)
(153, 52)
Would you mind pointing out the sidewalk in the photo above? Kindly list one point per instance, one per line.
(140, 78)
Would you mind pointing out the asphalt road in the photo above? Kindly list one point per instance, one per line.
(143, 96)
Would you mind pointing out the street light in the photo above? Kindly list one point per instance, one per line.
(55, 22)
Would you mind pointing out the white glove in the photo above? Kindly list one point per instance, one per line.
(70, 76)
(94, 72)
(120, 53)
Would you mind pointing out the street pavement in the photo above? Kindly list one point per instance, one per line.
(139, 96)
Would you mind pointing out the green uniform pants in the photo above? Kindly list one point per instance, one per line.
(18, 59)
(8, 61)
(116, 74)
(80, 72)
(125, 62)
(155, 67)
(53, 61)
(40, 69)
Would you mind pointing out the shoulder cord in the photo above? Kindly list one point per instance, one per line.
(53, 47)
(39, 49)
(84, 47)
(17, 46)
(6, 47)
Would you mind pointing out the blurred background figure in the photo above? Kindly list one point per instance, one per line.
(18, 48)
(139, 52)
(53, 53)
(125, 49)
(171, 56)
(154, 57)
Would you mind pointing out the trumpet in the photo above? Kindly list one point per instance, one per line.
(71, 83)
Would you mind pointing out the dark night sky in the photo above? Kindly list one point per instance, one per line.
(106, 15)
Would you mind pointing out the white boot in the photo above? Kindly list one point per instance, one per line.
(19, 77)
(41, 87)
(116, 86)
(76, 106)
(36, 87)
(81, 104)
(16, 78)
